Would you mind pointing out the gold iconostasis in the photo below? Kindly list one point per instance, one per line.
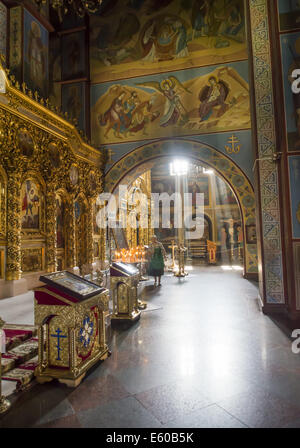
(49, 181)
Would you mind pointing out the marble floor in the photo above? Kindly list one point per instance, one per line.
(203, 355)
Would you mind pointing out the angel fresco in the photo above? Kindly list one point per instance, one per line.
(211, 96)
(174, 110)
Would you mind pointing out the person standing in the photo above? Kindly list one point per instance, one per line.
(156, 265)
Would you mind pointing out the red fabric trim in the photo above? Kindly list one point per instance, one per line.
(43, 298)
(63, 294)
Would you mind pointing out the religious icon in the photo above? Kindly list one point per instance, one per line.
(96, 250)
(224, 194)
(3, 30)
(60, 221)
(74, 175)
(31, 205)
(73, 102)
(92, 181)
(54, 155)
(36, 54)
(251, 237)
(211, 96)
(165, 38)
(25, 142)
(289, 14)
(73, 60)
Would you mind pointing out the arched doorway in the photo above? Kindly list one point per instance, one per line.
(141, 159)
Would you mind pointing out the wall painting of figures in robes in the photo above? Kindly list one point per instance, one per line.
(143, 37)
(289, 14)
(188, 102)
(36, 46)
(290, 49)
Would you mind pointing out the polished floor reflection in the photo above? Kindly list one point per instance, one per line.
(202, 355)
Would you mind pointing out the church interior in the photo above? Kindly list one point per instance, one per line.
(126, 318)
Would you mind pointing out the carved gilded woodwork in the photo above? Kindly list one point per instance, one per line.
(32, 260)
(125, 298)
(13, 253)
(38, 145)
(89, 234)
(71, 226)
(51, 237)
(3, 189)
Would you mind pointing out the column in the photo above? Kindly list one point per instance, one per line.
(89, 235)
(13, 254)
(51, 259)
(70, 234)
(270, 225)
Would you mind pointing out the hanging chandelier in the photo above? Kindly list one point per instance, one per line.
(80, 7)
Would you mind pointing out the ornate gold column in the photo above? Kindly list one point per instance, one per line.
(70, 234)
(89, 234)
(51, 242)
(4, 404)
(13, 255)
(102, 245)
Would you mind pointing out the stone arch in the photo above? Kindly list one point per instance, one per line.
(231, 173)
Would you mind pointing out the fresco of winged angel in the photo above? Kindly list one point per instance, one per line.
(174, 111)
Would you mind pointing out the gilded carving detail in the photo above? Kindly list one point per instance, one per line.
(39, 146)
(51, 261)
(13, 255)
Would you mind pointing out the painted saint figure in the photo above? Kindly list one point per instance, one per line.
(211, 96)
(36, 56)
(114, 116)
(200, 18)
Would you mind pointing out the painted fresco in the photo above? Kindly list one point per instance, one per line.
(294, 163)
(195, 101)
(224, 194)
(145, 37)
(3, 30)
(36, 46)
(289, 14)
(55, 71)
(15, 41)
(73, 102)
(31, 206)
(290, 48)
(73, 55)
(199, 186)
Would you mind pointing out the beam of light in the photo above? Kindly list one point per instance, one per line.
(179, 167)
